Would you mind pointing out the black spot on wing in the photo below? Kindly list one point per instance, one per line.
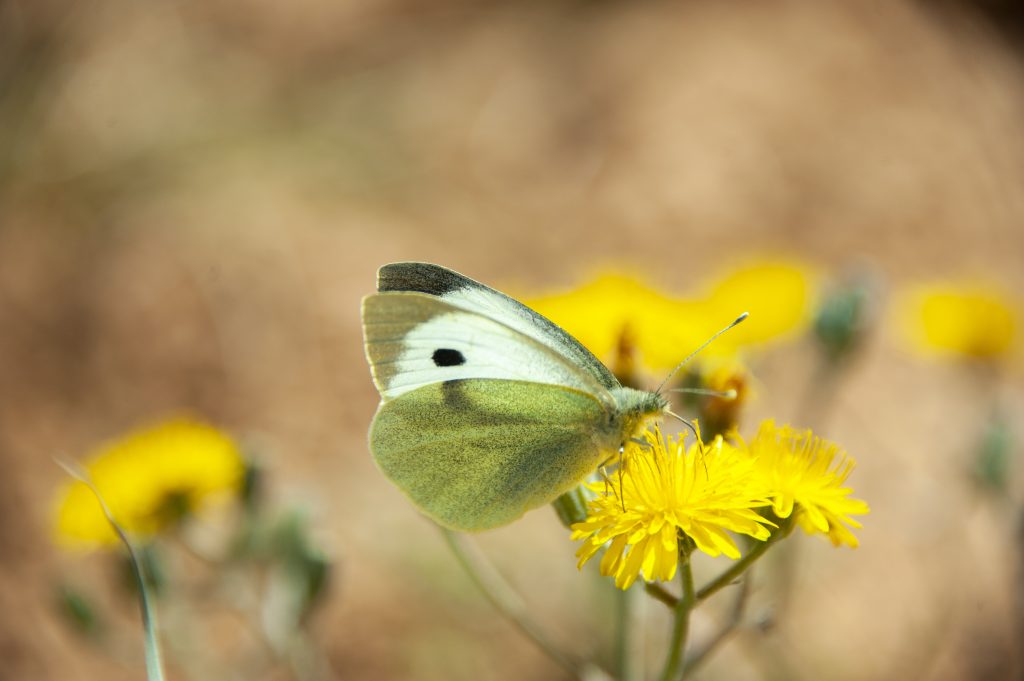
(447, 357)
(420, 277)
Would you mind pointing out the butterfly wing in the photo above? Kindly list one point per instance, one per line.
(415, 339)
(488, 409)
(474, 454)
(461, 291)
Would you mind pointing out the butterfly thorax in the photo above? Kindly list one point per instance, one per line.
(636, 409)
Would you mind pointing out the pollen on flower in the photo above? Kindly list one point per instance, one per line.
(806, 475)
(662, 489)
(149, 479)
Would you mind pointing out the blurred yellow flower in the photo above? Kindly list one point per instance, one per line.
(805, 473)
(615, 312)
(778, 294)
(150, 479)
(967, 320)
(662, 489)
(615, 309)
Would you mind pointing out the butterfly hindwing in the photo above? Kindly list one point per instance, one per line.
(469, 294)
(475, 454)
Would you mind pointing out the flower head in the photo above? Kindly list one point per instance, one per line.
(966, 320)
(805, 474)
(777, 293)
(662, 489)
(149, 479)
(615, 311)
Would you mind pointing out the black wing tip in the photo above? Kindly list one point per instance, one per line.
(421, 277)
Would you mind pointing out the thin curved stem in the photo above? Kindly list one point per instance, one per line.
(154, 663)
(507, 602)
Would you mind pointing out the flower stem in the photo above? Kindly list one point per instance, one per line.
(154, 662)
(681, 618)
(734, 572)
(743, 564)
(509, 604)
(660, 593)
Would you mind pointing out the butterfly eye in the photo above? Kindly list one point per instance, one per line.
(447, 357)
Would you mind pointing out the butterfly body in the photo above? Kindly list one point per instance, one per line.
(487, 408)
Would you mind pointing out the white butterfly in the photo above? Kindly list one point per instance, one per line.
(488, 409)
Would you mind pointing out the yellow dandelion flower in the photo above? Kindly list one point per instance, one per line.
(967, 320)
(149, 479)
(613, 312)
(778, 294)
(805, 474)
(663, 489)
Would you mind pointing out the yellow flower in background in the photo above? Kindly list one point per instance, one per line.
(613, 308)
(778, 294)
(150, 479)
(967, 320)
(661, 489)
(806, 475)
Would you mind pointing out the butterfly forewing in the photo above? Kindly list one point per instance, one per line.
(469, 294)
(415, 339)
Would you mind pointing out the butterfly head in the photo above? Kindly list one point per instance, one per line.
(636, 409)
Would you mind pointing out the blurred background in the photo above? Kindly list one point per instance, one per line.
(194, 196)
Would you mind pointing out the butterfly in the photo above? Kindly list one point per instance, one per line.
(488, 409)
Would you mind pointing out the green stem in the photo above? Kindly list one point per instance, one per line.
(735, 570)
(507, 602)
(743, 564)
(154, 665)
(681, 618)
(660, 593)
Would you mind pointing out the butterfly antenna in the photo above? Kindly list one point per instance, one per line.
(696, 435)
(704, 345)
(686, 422)
(729, 394)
